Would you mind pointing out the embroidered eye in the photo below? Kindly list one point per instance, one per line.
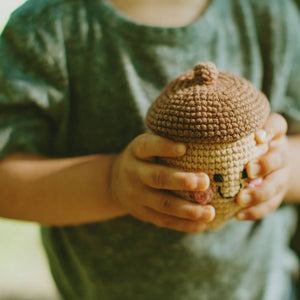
(244, 174)
(218, 178)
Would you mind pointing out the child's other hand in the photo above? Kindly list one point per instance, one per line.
(141, 185)
(273, 167)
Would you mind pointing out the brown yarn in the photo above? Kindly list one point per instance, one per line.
(215, 114)
(208, 106)
(206, 73)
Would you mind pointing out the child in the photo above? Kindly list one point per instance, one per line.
(76, 80)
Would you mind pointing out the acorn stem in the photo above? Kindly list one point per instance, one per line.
(206, 73)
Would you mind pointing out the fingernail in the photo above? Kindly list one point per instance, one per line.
(241, 216)
(245, 198)
(180, 149)
(253, 170)
(202, 182)
(208, 213)
(262, 135)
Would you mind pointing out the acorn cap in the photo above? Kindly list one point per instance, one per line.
(208, 106)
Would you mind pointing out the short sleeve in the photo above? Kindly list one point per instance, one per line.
(33, 85)
(278, 31)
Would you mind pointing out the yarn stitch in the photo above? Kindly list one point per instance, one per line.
(216, 115)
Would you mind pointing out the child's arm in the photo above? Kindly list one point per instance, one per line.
(56, 191)
(93, 188)
(280, 167)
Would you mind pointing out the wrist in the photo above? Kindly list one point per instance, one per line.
(112, 185)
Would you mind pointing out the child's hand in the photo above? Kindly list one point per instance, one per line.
(141, 185)
(272, 167)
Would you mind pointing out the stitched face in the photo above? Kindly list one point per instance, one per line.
(225, 165)
(218, 178)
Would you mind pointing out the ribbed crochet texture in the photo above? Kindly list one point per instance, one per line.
(207, 106)
(215, 114)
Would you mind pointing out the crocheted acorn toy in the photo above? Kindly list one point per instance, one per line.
(216, 115)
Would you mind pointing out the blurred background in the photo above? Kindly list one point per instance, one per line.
(24, 273)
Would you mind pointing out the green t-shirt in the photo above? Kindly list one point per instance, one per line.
(77, 77)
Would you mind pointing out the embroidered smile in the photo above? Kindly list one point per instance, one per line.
(219, 178)
(228, 197)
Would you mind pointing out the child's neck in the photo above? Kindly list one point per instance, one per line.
(167, 13)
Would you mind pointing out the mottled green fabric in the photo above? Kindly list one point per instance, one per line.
(77, 77)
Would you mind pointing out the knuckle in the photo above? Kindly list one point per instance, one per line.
(166, 203)
(158, 179)
(141, 144)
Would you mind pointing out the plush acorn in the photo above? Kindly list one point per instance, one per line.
(216, 115)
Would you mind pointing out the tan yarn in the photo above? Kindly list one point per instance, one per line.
(225, 159)
(216, 115)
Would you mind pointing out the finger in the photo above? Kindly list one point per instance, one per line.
(169, 204)
(148, 145)
(271, 186)
(280, 142)
(274, 127)
(162, 177)
(263, 137)
(260, 210)
(275, 159)
(167, 221)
